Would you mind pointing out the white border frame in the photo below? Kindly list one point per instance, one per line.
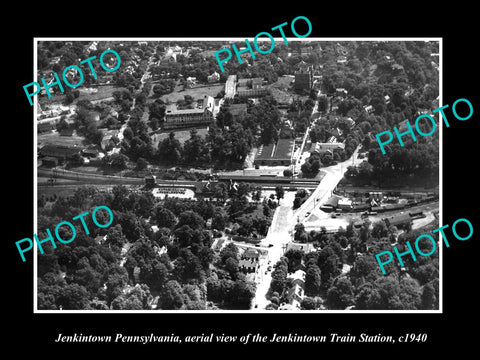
(236, 39)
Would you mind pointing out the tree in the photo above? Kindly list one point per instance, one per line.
(340, 296)
(62, 124)
(188, 266)
(165, 86)
(428, 297)
(308, 303)
(279, 276)
(300, 233)
(73, 297)
(379, 230)
(164, 217)
(195, 149)
(115, 280)
(142, 164)
(294, 259)
(280, 192)
(170, 149)
(313, 280)
(171, 297)
(138, 298)
(287, 173)
(192, 219)
(118, 161)
(231, 265)
(219, 219)
(229, 251)
(242, 294)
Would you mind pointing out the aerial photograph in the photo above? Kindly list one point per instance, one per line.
(260, 188)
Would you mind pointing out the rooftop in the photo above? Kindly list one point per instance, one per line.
(281, 150)
(59, 150)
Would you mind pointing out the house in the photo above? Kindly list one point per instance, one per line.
(185, 118)
(172, 52)
(375, 195)
(305, 247)
(109, 140)
(150, 180)
(247, 266)
(279, 154)
(296, 292)
(350, 121)
(191, 82)
(368, 108)
(344, 204)
(218, 244)
(251, 255)
(54, 60)
(321, 148)
(90, 152)
(215, 77)
(92, 46)
(397, 67)
(295, 296)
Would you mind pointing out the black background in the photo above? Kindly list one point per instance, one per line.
(454, 24)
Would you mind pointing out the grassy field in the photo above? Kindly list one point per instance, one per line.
(56, 139)
(196, 93)
(180, 135)
(104, 92)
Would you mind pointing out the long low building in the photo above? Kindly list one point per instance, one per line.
(276, 154)
(60, 152)
(321, 148)
(400, 221)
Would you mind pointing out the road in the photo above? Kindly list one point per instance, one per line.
(285, 219)
(279, 236)
(333, 175)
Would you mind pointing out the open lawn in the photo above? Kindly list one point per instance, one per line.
(196, 93)
(180, 135)
(54, 138)
(103, 93)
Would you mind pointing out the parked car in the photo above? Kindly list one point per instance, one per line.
(308, 213)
